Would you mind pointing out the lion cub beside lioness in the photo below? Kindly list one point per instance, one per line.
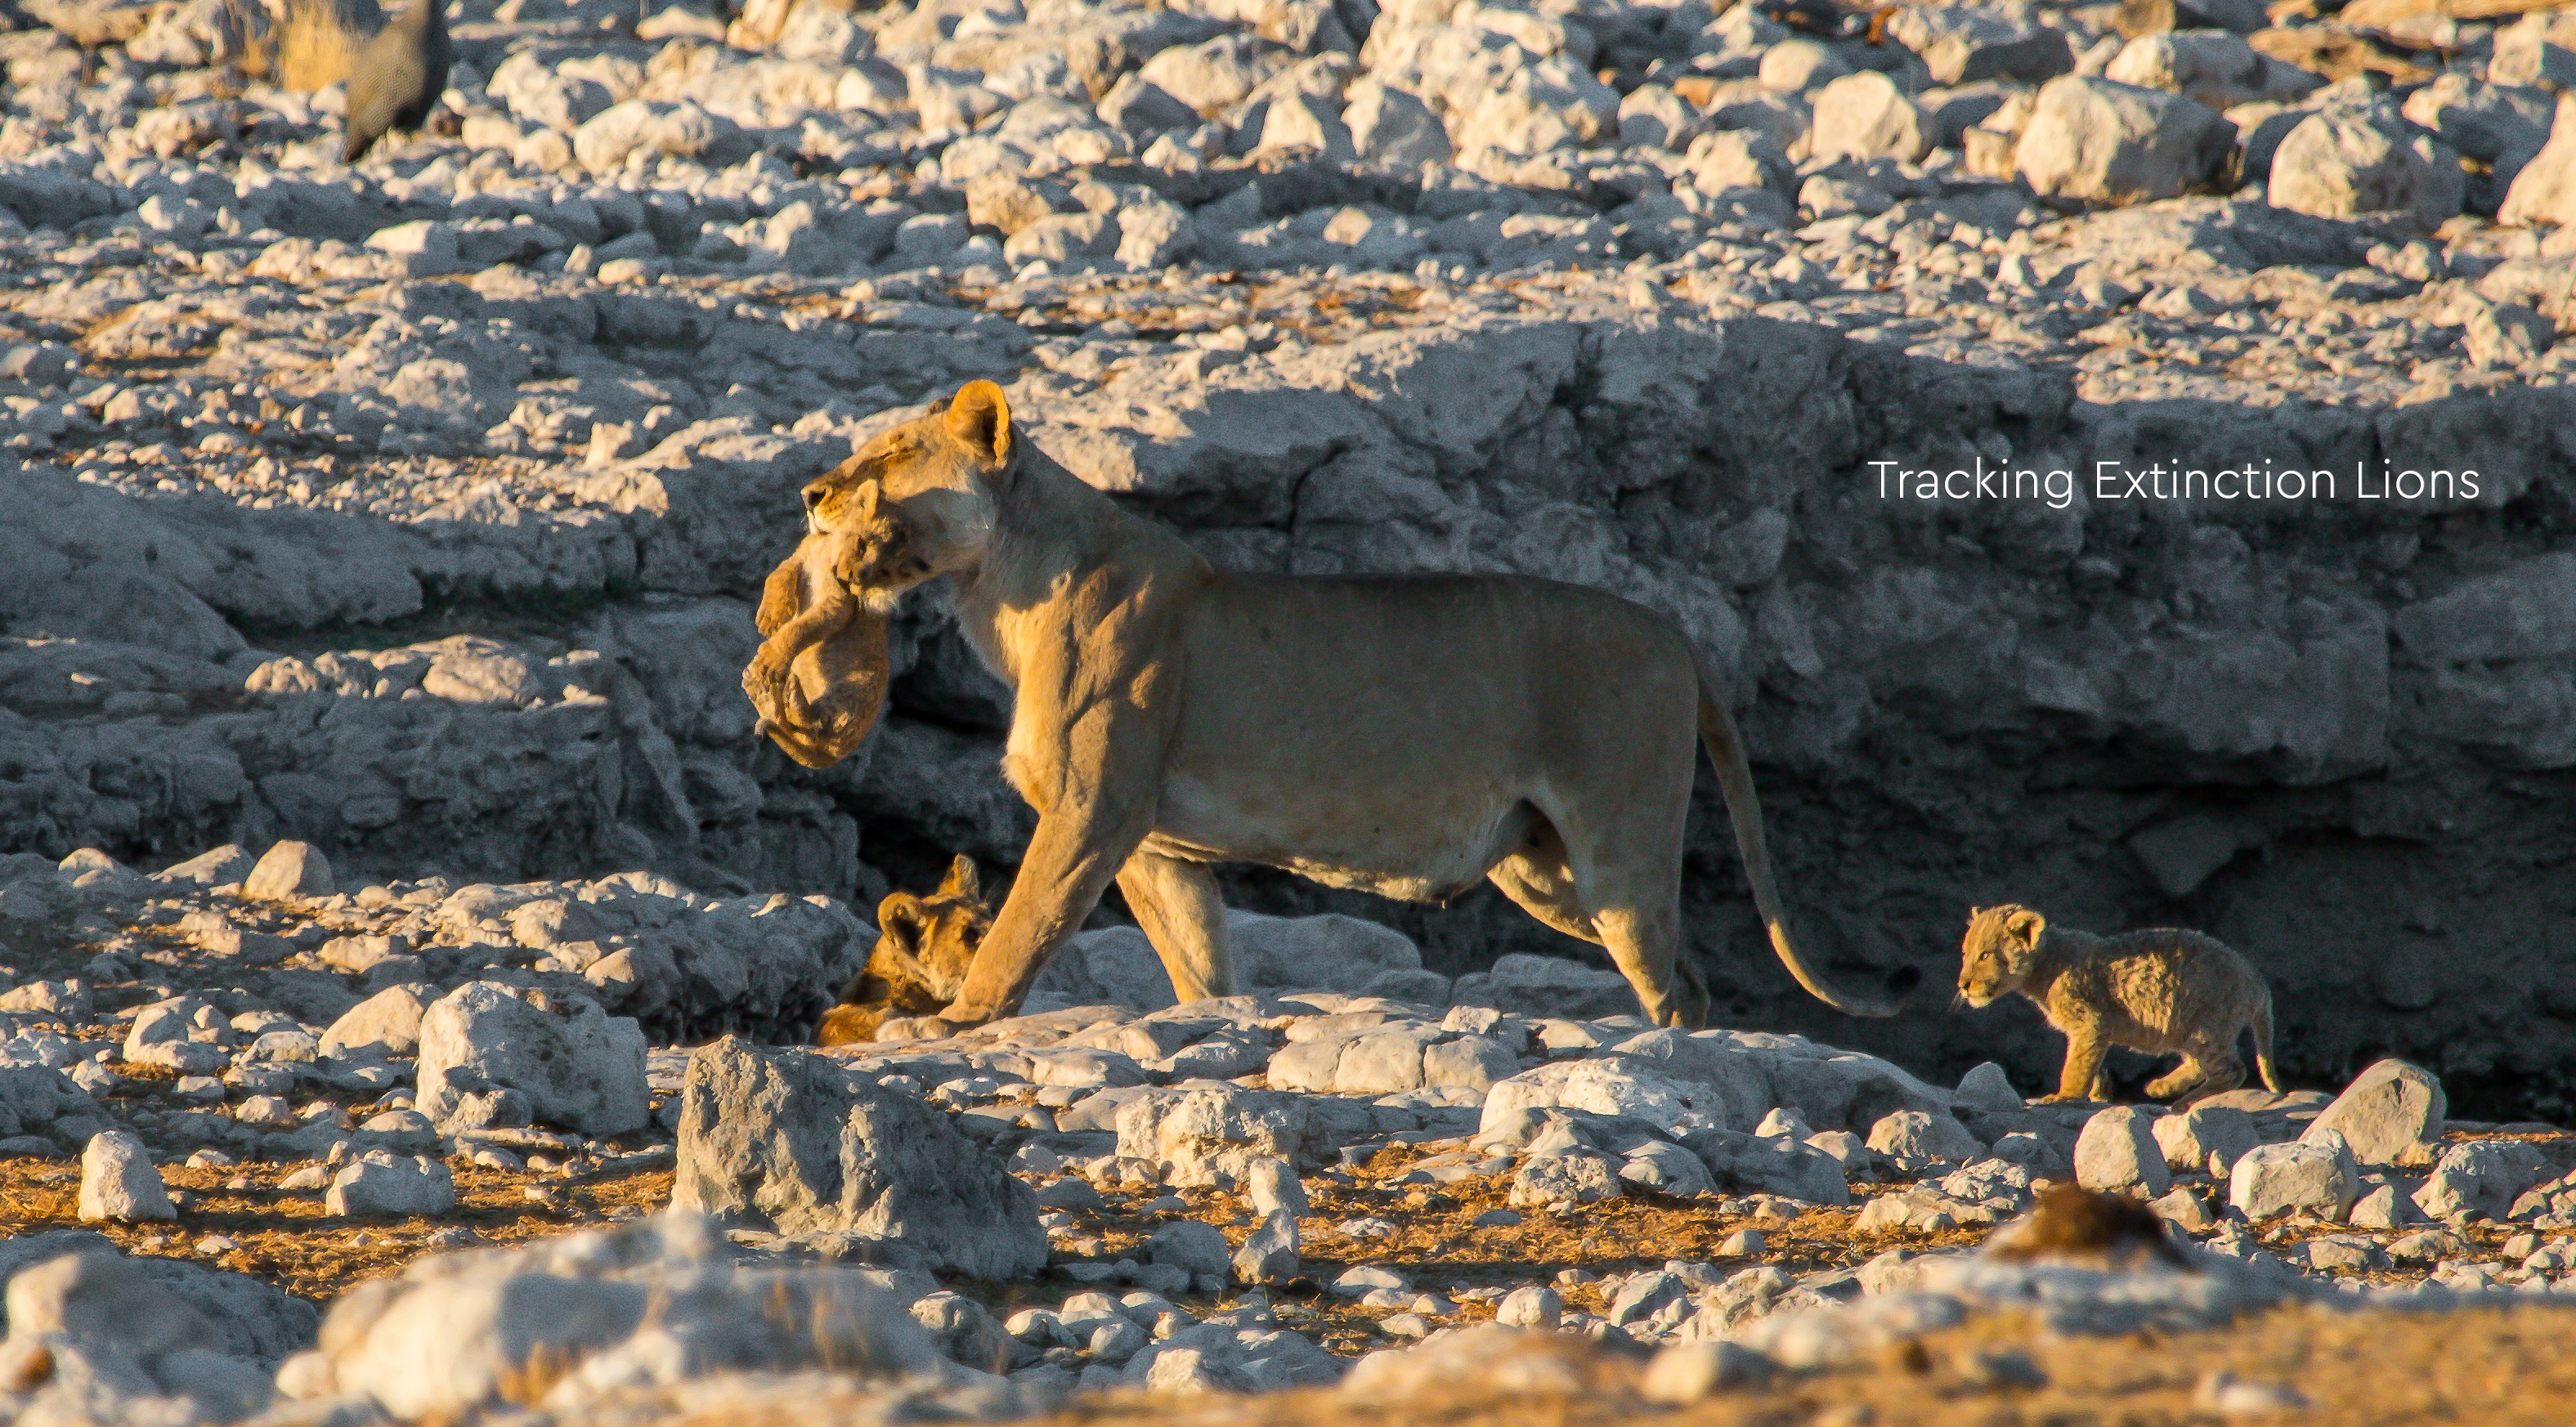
(924, 945)
(2162, 991)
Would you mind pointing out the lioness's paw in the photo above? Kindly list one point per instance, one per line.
(915, 1028)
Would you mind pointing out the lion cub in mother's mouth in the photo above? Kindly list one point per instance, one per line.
(2162, 991)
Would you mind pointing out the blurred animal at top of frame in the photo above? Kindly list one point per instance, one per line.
(924, 945)
(1409, 735)
(2162, 991)
(398, 78)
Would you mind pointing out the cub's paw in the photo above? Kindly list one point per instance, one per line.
(765, 680)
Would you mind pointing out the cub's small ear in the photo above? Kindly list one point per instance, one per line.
(900, 922)
(963, 880)
(2025, 926)
(980, 417)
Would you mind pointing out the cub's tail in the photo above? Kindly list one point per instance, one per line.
(2263, 1039)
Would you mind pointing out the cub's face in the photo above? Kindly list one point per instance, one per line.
(1995, 954)
(939, 932)
(920, 500)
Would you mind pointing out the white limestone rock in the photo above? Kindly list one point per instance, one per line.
(1916, 1134)
(385, 1024)
(794, 1143)
(1866, 116)
(441, 1343)
(2319, 1178)
(2391, 1113)
(2205, 1135)
(2117, 1150)
(2099, 141)
(288, 870)
(2342, 163)
(579, 1067)
(382, 1182)
(118, 1181)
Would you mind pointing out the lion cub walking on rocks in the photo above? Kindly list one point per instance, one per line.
(2162, 991)
(924, 945)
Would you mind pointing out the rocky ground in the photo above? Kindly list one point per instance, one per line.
(411, 509)
(398, 521)
(248, 1095)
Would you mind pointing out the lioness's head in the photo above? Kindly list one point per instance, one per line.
(1994, 957)
(919, 501)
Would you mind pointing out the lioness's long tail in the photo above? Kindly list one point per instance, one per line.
(1717, 734)
(2263, 1038)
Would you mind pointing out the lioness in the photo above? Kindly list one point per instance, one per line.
(2162, 991)
(1407, 735)
(924, 945)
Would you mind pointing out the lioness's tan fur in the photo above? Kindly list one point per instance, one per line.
(2162, 991)
(924, 945)
(1408, 735)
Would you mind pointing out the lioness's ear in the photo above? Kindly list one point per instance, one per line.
(963, 880)
(979, 416)
(2025, 925)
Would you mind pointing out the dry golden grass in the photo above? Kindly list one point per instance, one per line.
(285, 1238)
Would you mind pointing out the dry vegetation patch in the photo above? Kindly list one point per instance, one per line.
(235, 1217)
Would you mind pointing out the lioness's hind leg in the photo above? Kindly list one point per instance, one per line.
(1537, 878)
(1176, 903)
(1646, 943)
(1643, 944)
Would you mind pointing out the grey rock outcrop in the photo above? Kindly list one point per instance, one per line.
(578, 1066)
(793, 1142)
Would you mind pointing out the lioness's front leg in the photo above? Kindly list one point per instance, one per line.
(1076, 851)
(1095, 794)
